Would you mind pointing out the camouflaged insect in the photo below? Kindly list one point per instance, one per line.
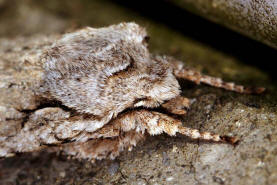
(112, 88)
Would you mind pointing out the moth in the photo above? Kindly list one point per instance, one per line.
(112, 93)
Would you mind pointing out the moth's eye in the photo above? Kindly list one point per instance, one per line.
(146, 40)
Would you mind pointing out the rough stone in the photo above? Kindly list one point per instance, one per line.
(256, 19)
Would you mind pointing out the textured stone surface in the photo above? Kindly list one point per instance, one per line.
(257, 19)
(161, 159)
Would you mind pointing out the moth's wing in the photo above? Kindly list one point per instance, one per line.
(77, 66)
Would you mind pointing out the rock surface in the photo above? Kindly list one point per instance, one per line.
(161, 159)
(256, 19)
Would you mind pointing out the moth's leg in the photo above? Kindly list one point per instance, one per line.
(127, 130)
(102, 148)
(177, 105)
(156, 123)
(180, 71)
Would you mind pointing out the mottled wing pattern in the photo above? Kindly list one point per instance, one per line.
(77, 66)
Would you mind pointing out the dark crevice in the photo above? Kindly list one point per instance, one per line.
(25, 120)
(44, 103)
(156, 109)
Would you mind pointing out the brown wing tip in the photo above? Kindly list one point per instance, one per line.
(255, 90)
(231, 140)
(260, 90)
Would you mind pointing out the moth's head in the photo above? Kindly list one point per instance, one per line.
(133, 32)
(159, 84)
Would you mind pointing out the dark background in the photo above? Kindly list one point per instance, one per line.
(223, 39)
